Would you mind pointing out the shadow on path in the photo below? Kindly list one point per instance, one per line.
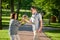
(25, 28)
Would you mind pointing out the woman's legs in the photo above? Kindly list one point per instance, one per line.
(12, 37)
(18, 37)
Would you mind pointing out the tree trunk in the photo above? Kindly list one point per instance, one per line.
(12, 5)
(0, 15)
(18, 8)
(59, 18)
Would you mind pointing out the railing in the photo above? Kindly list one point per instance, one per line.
(4, 38)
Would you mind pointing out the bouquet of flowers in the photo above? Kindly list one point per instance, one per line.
(22, 20)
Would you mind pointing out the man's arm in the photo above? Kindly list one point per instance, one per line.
(40, 18)
(40, 29)
(28, 21)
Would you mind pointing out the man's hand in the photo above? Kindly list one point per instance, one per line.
(40, 30)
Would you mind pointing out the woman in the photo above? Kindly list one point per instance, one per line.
(13, 27)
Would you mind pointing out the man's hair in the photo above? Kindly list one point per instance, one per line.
(34, 7)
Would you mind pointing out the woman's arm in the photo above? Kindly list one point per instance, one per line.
(17, 23)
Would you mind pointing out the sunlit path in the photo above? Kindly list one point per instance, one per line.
(27, 34)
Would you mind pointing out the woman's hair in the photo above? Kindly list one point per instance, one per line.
(13, 15)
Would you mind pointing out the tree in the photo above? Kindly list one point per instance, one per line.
(18, 7)
(0, 14)
(23, 4)
(12, 5)
(26, 4)
(48, 5)
(5, 4)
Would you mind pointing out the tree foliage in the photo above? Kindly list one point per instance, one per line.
(49, 6)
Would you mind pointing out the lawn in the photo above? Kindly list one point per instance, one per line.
(54, 25)
(4, 35)
(53, 34)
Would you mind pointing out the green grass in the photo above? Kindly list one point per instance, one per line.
(53, 34)
(54, 25)
(22, 10)
(4, 35)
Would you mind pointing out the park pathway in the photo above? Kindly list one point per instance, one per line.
(26, 33)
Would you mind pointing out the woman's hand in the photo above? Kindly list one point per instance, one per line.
(23, 21)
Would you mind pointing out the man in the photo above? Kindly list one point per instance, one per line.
(36, 21)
